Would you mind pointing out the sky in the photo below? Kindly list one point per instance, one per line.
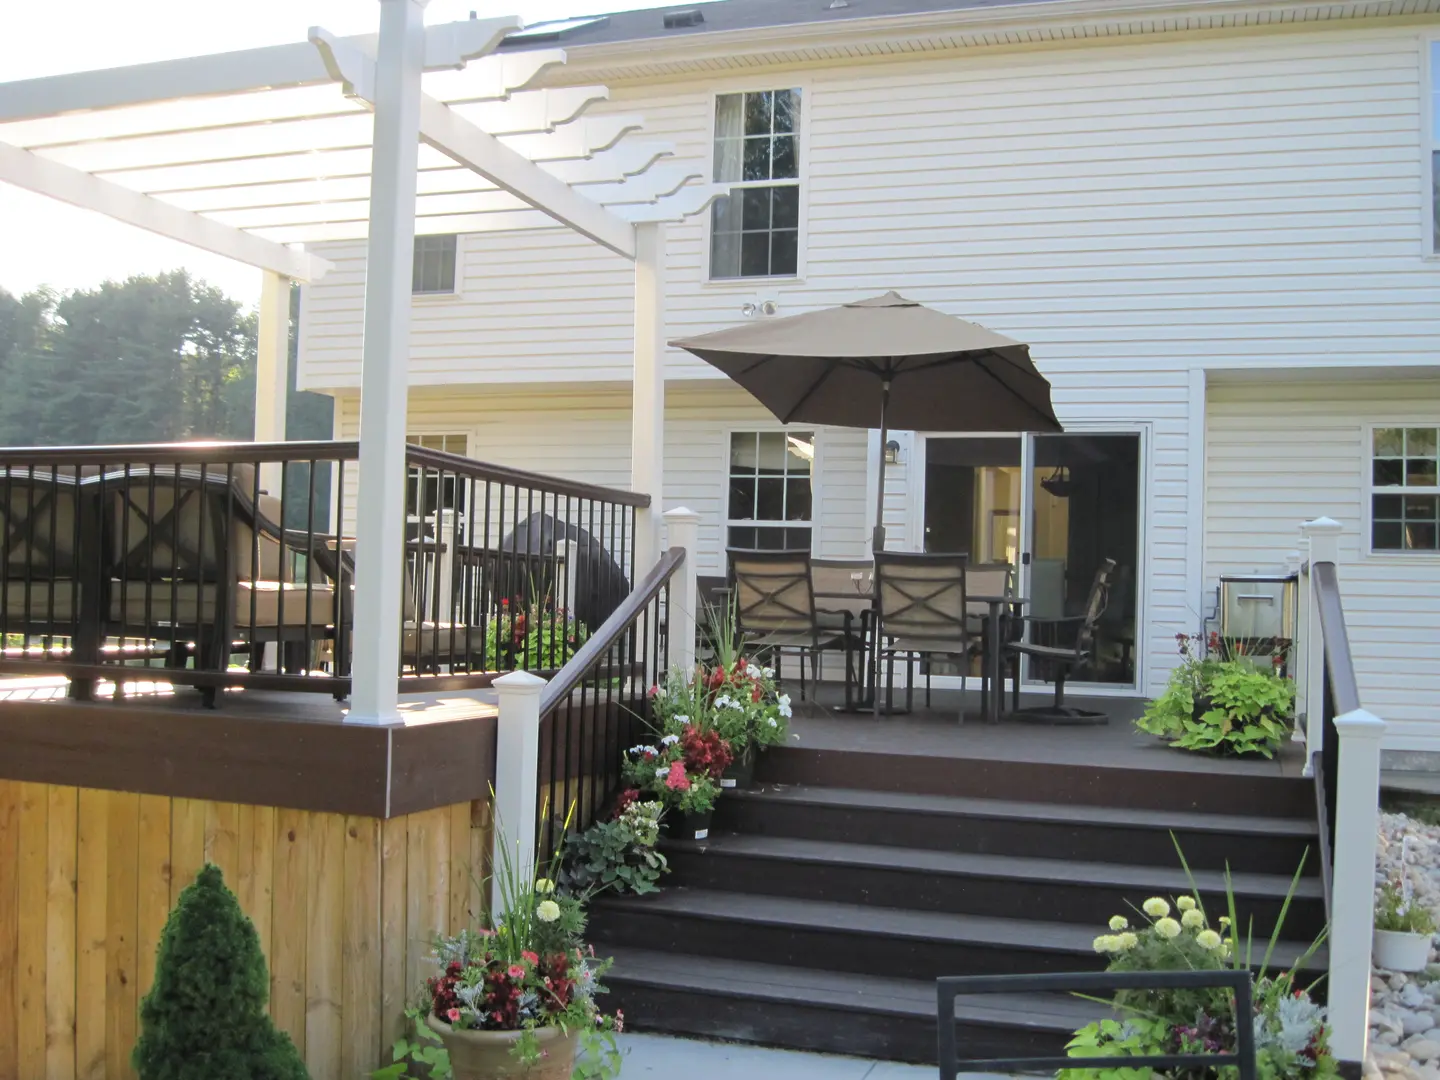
(44, 242)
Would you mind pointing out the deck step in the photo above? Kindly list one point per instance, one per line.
(1170, 784)
(966, 883)
(855, 938)
(820, 1010)
(1002, 826)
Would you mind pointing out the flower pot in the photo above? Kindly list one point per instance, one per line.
(1398, 950)
(741, 772)
(488, 1055)
(678, 826)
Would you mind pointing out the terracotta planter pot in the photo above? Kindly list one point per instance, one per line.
(1396, 950)
(686, 826)
(488, 1055)
(740, 774)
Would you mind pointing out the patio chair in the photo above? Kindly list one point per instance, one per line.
(40, 587)
(1065, 659)
(775, 607)
(195, 555)
(921, 612)
(843, 591)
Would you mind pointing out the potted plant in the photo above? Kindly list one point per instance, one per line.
(516, 998)
(616, 852)
(1403, 930)
(538, 636)
(681, 770)
(1220, 700)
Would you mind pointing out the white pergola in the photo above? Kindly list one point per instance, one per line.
(254, 154)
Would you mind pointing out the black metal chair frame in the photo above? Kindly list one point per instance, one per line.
(1065, 660)
(947, 988)
(791, 624)
(922, 606)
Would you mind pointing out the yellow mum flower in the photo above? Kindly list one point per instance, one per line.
(544, 885)
(1167, 928)
(1104, 943)
(1208, 939)
(1128, 941)
(1192, 919)
(1186, 903)
(1224, 921)
(1155, 908)
(1118, 923)
(547, 911)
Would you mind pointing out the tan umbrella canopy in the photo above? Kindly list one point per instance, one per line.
(932, 371)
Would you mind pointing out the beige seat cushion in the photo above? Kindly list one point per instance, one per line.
(64, 607)
(443, 642)
(186, 600)
(938, 646)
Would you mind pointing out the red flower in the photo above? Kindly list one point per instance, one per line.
(1278, 661)
(619, 1020)
(757, 694)
(504, 601)
(627, 797)
(677, 780)
(705, 752)
(717, 678)
(740, 664)
(655, 690)
(516, 971)
(530, 957)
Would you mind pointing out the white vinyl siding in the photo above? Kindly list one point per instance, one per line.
(1278, 454)
(585, 436)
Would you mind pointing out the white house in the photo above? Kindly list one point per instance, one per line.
(1213, 223)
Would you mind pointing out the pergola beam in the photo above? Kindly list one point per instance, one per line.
(45, 177)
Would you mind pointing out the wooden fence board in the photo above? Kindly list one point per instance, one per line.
(262, 885)
(187, 843)
(222, 840)
(360, 1009)
(34, 809)
(9, 928)
(153, 885)
(287, 955)
(61, 839)
(92, 884)
(324, 964)
(394, 873)
(122, 926)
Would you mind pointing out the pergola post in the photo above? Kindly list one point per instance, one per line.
(647, 422)
(380, 515)
(272, 371)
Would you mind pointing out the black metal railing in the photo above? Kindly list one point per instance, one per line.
(950, 987)
(233, 565)
(1340, 694)
(598, 705)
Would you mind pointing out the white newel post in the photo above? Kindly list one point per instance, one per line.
(567, 554)
(1322, 536)
(380, 510)
(272, 371)
(446, 539)
(647, 422)
(683, 528)
(517, 772)
(1352, 901)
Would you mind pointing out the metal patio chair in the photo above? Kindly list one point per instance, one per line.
(920, 612)
(775, 607)
(1065, 659)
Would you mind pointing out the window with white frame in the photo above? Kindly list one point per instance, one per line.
(417, 499)
(1405, 489)
(1432, 140)
(770, 495)
(434, 269)
(755, 230)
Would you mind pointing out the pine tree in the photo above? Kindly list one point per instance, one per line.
(205, 1016)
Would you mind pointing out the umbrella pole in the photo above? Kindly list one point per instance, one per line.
(877, 540)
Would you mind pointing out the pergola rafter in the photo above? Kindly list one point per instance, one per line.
(251, 154)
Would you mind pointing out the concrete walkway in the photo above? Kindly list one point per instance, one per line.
(648, 1056)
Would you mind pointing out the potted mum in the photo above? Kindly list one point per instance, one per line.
(516, 999)
(681, 770)
(1403, 929)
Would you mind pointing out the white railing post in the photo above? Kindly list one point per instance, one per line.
(647, 420)
(683, 530)
(517, 772)
(567, 554)
(445, 542)
(272, 371)
(1352, 902)
(1322, 536)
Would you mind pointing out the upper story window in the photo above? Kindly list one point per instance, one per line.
(755, 230)
(1432, 142)
(423, 499)
(770, 498)
(434, 270)
(1405, 489)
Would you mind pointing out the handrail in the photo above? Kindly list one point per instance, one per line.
(568, 677)
(194, 453)
(1339, 664)
(484, 470)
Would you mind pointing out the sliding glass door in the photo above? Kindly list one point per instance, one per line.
(1055, 507)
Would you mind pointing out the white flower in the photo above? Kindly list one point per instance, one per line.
(1167, 928)
(1127, 941)
(671, 740)
(768, 672)
(1192, 919)
(772, 721)
(725, 701)
(1155, 907)
(1208, 939)
(1106, 943)
(1186, 903)
(642, 749)
(544, 886)
(547, 911)
(784, 703)
(660, 773)
(1118, 922)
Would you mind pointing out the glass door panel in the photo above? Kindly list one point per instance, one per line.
(1084, 509)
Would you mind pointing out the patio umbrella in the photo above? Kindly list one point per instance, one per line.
(887, 359)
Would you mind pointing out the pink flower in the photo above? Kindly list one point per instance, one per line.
(530, 956)
(516, 971)
(453, 1016)
(677, 780)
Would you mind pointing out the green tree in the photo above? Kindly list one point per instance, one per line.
(205, 1016)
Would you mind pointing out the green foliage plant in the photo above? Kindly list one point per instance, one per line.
(1398, 912)
(205, 1015)
(617, 853)
(537, 638)
(1218, 701)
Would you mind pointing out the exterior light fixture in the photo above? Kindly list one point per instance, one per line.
(892, 453)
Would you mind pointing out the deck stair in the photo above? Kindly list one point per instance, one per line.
(829, 898)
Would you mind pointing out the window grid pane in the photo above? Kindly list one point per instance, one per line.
(770, 486)
(755, 230)
(1405, 465)
(434, 269)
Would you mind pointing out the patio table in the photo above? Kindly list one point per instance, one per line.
(994, 648)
